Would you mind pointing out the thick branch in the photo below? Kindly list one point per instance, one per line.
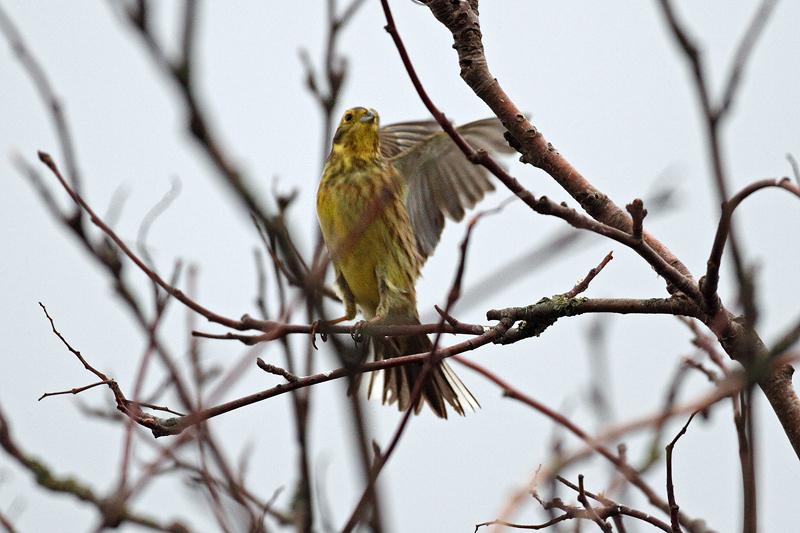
(462, 21)
(544, 313)
(741, 343)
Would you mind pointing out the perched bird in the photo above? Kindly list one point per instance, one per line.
(381, 204)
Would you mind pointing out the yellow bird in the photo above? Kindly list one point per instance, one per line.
(381, 204)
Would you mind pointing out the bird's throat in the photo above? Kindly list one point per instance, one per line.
(357, 145)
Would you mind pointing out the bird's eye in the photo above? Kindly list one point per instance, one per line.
(348, 117)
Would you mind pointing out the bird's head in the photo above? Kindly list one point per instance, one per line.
(357, 134)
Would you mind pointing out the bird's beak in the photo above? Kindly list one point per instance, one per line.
(367, 117)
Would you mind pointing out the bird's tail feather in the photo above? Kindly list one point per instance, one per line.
(441, 387)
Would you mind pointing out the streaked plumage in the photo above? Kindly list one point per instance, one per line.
(381, 203)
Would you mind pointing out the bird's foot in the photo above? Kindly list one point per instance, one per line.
(357, 332)
(315, 325)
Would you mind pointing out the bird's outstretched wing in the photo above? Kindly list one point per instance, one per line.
(441, 181)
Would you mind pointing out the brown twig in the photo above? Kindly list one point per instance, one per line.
(594, 517)
(562, 241)
(77, 390)
(617, 509)
(674, 510)
(707, 344)
(630, 473)
(74, 352)
(710, 281)
(276, 370)
(583, 284)
(175, 426)
(49, 98)
(609, 509)
(743, 53)
(5, 522)
(112, 513)
(637, 212)
(513, 525)
(743, 421)
(277, 330)
(97, 221)
(697, 365)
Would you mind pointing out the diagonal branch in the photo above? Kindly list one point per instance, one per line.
(48, 96)
(740, 340)
(463, 22)
(674, 509)
(112, 513)
(97, 221)
(608, 220)
(710, 282)
(622, 466)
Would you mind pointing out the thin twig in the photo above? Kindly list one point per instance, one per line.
(49, 98)
(593, 442)
(674, 510)
(111, 514)
(710, 281)
(583, 284)
(276, 370)
(637, 212)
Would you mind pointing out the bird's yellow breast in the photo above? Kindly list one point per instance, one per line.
(364, 224)
(340, 210)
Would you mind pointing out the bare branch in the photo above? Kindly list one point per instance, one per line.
(630, 473)
(48, 96)
(75, 352)
(743, 53)
(97, 221)
(112, 513)
(710, 281)
(674, 510)
(583, 284)
(276, 370)
(609, 220)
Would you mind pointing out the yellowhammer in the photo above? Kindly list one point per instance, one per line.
(381, 204)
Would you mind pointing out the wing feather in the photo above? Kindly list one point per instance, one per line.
(441, 181)
(398, 138)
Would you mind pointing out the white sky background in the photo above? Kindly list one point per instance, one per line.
(603, 81)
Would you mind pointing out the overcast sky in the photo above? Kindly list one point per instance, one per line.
(602, 80)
